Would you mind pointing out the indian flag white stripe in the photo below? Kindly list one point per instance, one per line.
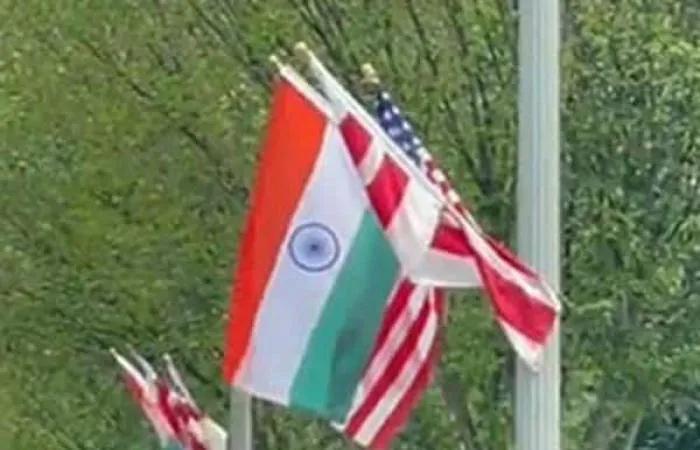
(287, 318)
(315, 270)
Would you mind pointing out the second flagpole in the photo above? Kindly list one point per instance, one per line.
(537, 414)
(240, 427)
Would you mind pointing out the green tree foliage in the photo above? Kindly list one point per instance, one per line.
(128, 133)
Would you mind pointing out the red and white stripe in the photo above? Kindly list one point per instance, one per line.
(145, 393)
(525, 307)
(401, 366)
(407, 347)
(407, 211)
(460, 253)
(173, 415)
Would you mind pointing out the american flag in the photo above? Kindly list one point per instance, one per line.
(460, 254)
(524, 305)
(401, 131)
(456, 253)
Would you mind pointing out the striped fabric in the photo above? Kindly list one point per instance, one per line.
(407, 347)
(401, 131)
(401, 367)
(169, 408)
(323, 318)
(525, 322)
(460, 254)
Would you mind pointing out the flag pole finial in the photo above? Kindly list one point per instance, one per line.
(302, 50)
(369, 74)
(274, 60)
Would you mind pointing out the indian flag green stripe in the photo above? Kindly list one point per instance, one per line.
(342, 341)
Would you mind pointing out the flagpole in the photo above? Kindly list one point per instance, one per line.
(537, 415)
(240, 429)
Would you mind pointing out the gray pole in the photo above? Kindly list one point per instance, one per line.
(240, 429)
(537, 394)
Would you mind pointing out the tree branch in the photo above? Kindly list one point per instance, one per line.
(455, 398)
(149, 100)
(633, 432)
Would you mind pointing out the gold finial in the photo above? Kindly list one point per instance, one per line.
(302, 50)
(369, 75)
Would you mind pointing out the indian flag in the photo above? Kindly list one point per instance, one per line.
(315, 267)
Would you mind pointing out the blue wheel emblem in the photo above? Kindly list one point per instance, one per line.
(314, 247)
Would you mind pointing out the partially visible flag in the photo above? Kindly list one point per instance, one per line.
(171, 411)
(459, 253)
(401, 368)
(144, 391)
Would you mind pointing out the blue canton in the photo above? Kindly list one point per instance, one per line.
(399, 129)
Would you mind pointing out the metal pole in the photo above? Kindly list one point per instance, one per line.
(537, 413)
(240, 429)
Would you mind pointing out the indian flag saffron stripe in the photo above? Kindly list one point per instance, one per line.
(284, 179)
(315, 269)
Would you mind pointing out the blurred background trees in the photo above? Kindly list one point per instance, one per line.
(128, 134)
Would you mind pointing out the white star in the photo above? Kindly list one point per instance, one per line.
(438, 176)
(395, 110)
(416, 141)
(385, 96)
(387, 115)
(453, 197)
(394, 131)
(424, 155)
(406, 126)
